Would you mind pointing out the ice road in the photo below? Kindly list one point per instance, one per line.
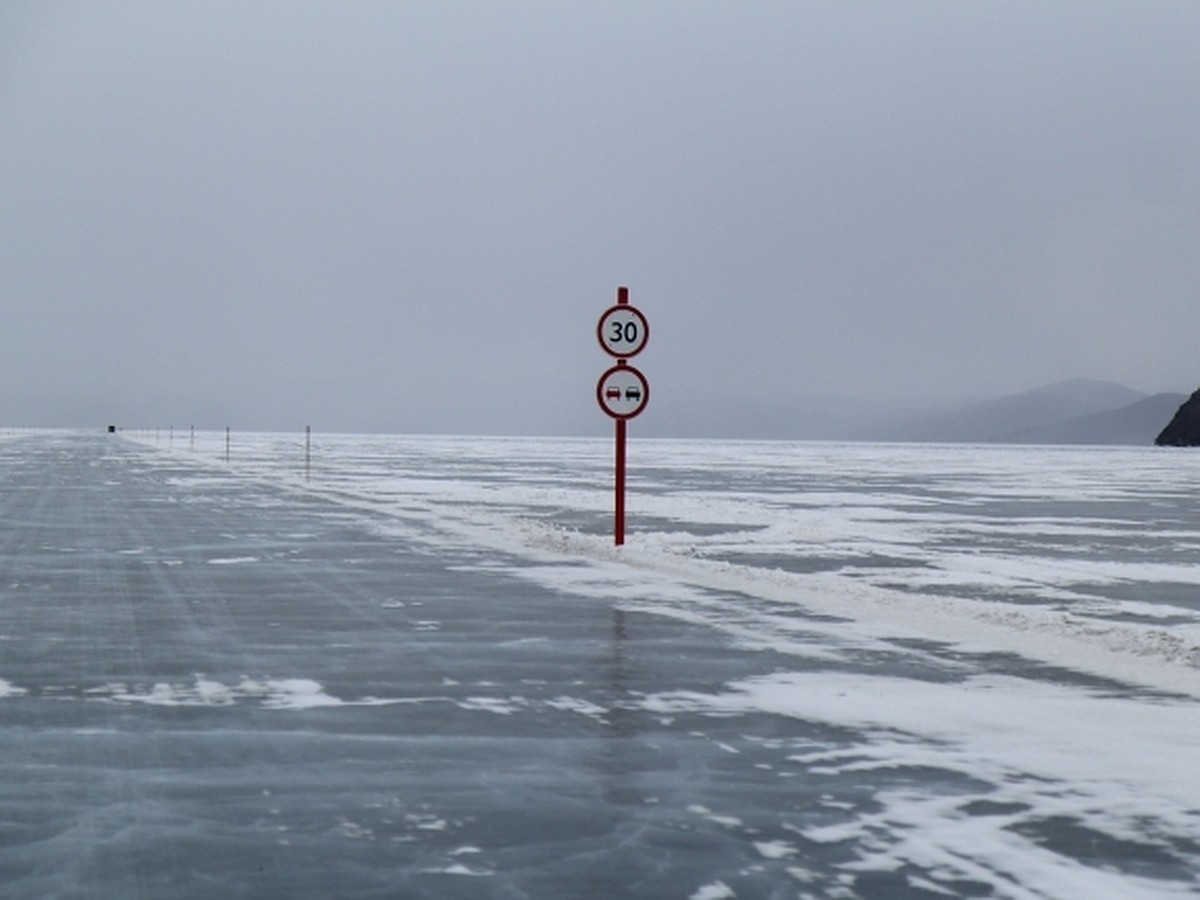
(814, 671)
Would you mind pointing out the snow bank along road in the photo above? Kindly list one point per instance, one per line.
(218, 681)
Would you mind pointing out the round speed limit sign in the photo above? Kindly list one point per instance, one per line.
(623, 331)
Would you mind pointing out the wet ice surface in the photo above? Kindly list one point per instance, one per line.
(814, 671)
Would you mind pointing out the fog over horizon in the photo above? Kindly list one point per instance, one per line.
(409, 216)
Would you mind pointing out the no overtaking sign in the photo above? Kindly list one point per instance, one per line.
(622, 392)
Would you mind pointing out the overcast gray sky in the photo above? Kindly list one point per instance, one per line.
(409, 215)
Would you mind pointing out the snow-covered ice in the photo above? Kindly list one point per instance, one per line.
(814, 670)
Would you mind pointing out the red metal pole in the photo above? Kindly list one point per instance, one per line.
(619, 514)
(619, 518)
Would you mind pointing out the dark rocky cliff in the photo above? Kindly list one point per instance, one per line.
(1184, 429)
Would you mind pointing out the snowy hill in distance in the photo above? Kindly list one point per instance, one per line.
(1129, 424)
(1077, 411)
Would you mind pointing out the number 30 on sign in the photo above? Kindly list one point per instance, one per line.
(623, 331)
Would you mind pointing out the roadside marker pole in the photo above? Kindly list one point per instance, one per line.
(622, 391)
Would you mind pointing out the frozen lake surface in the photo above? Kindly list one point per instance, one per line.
(814, 670)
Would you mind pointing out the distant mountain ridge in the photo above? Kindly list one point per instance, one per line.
(1134, 423)
(1077, 411)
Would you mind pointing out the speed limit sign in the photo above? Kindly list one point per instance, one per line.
(623, 331)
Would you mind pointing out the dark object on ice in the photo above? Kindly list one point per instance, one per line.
(112, 429)
(1184, 428)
